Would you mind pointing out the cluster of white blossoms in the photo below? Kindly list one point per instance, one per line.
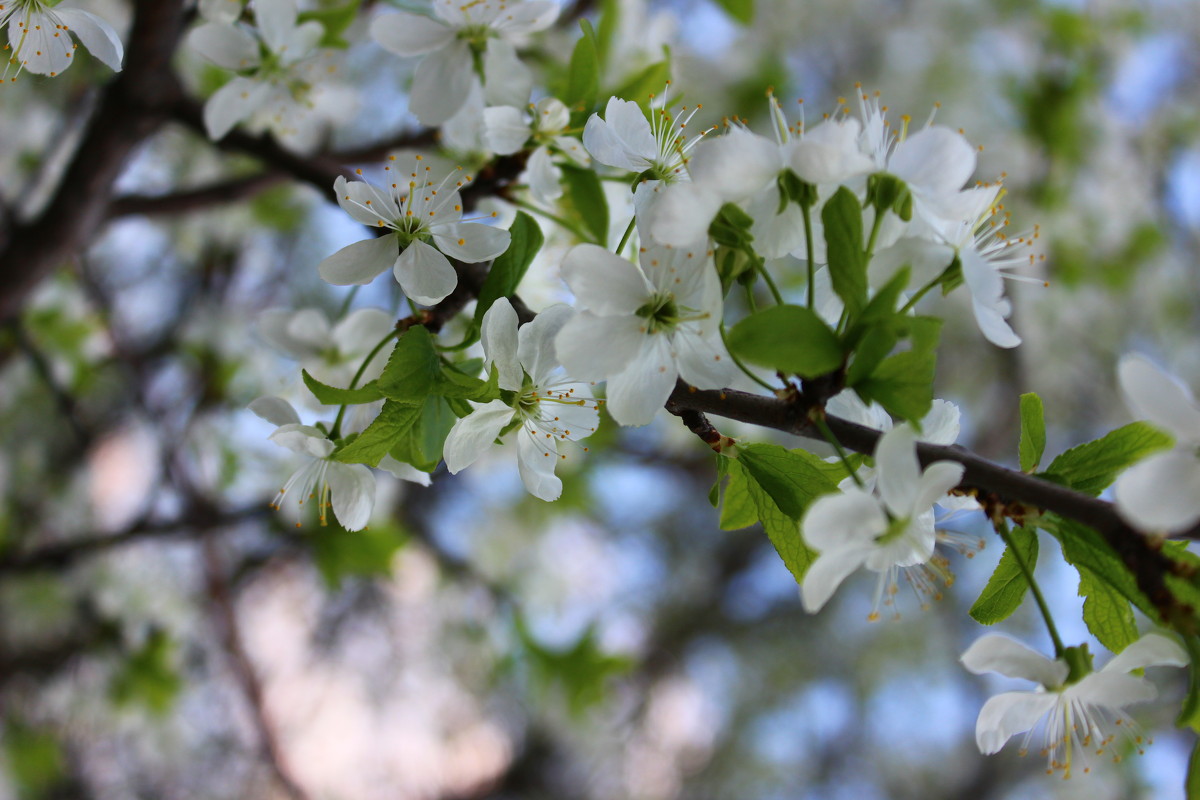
(42, 34)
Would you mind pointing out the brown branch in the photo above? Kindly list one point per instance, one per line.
(131, 108)
(188, 200)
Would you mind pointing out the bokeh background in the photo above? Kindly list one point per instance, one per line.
(164, 635)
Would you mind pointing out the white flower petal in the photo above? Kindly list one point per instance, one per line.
(637, 393)
(471, 242)
(352, 494)
(276, 19)
(507, 130)
(1008, 714)
(499, 338)
(898, 472)
(996, 653)
(829, 153)
(95, 34)
(1152, 650)
(681, 213)
(1162, 493)
(37, 43)
(231, 104)
(623, 138)
(226, 46)
(473, 434)
(603, 282)
(936, 482)
(703, 361)
(405, 472)
(536, 348)
(424, 274)
(593, 348)
(935, 160)
(826, 574)
(836, 520)
(303, 439)
(1111, 690)
(360, 262)
(365, 203)
(508, 81)
(526, 17)
(441, 83)
(941, 424)
(411, 35)
(736, 165)
(536, 462)
(361, 330)
(545, 178)
(275, 410)
(1159, 398)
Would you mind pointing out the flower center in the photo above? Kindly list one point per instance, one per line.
(660, 312)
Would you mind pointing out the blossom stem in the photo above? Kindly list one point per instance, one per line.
(808, 252)
(916, 298)
(349, 299)
(626, 235)
(761, 266)
(1001, 527)
(875, 226)
(818, 419)
(741, 365)
(750, 302)
(335, 432)
(557, 220)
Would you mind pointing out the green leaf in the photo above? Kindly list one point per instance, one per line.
(148, 677)
(610, 13)
(1192, 782)
(1106, 613)
(582, 670)
(413, 367)
(341, 554)
(1189, 714)
(453, 383)
(508, 270)
(393, 422)
(583, 72)
(335, 21)
(738, 509)
(1084, 547)
(1006, 588)
(740, 10)
(790, 339)
(842, 216)
(1092, 467)
(1033, 432)
(421, 443)
(793, 478)
(902, 384)
(34, 759)
(333, 396)
(585, 194)
(650, 80)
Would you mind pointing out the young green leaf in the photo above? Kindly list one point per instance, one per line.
(842, 216)
(793, 478)
(335, 21)
(1084, 547)
(738, 509)
(740, 10)
(393, 422)
(1106, 613)
(789, 339)
(333, 396)
(902, 384)
(585, 194)
(508, 270)
(1092, 467)
(1033, 432)
(583, 72)
(1006, 588)
(368, 552)
(420, 444)
(650, 80)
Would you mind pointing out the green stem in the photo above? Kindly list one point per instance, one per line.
(742, 366)
(875, 226)
(626, 235)
(1002, 528)
(750, 302)
(337, 422)
(349, 299)
(557, 220)
(808, 252)
(762, 270)
(819, 420)
(916, 298)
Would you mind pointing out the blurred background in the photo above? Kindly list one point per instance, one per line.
(163, 634)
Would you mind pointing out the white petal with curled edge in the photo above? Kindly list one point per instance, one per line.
(359, 263)
(941, 424)
(603, 282)
(1159, 398)
(275, 410)
(936, 160)
(636, 394)
(231, 104)
(410, 34)
(1162, 493)
(545, 178)
(508, 81)
(405, 472)
(536, 341)
(96, 35)
(536, 459)
(303, 439)
(835, 519)
(226, 46)
(996, 653)
(441, 83)
(498, 334)
(473, 434)
(551, 115)
(471, 242)
(897, 469)
(593, 348)
(527, 17)
(826, 574)
(506, 129)
(1008, 714)
(352, 494)
(936, 482)
(424, 274)
(622, 139)
(1152, 650)
(991, 322)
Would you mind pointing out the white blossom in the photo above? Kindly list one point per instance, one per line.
(509, 130)
(41, 37)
